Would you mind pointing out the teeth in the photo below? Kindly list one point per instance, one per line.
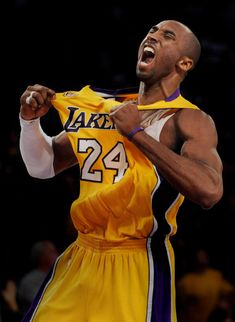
(148, 49)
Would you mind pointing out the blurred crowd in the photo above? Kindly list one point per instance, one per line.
(68, 46)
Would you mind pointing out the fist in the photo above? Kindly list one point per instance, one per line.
(126, 117)
(35, 101)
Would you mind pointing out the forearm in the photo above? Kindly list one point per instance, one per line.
(193, 178)
(36, 149)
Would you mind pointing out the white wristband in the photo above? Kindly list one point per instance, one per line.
(36, 149)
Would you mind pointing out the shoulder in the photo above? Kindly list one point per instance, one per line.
(194, 121)
(197, 115)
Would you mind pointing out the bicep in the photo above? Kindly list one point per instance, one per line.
(202, 153)
(64, 156)
(200, 140)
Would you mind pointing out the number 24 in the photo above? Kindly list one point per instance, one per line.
(115, 159)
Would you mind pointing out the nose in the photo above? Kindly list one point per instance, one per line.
(151, 39)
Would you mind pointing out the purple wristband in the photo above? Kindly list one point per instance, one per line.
(134, 131)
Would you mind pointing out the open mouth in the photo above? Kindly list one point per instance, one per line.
(148, 55)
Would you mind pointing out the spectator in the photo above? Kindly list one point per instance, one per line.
(43, 256)
(199, 291)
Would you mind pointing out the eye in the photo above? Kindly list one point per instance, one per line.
(169, 35)
(153, 29)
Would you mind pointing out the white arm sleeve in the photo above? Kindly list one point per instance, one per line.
(36, 149)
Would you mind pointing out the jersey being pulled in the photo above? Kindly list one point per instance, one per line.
(120, 190)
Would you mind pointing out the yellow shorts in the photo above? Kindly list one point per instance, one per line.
(99, 281)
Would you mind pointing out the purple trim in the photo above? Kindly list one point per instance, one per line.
(162, 291)
(161, 304)
(173, 96)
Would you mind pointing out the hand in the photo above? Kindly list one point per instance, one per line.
(125, 117)
(35, 101)
(9, 295)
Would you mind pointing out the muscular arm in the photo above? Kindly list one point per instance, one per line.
(197, 171)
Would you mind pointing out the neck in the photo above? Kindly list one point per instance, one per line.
(149, 94)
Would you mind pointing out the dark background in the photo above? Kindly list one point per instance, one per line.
(66, 45)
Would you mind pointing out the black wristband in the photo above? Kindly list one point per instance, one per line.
(134, 131)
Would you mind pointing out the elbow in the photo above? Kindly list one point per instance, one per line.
(211, 197)
(37, 175)
(41, 172)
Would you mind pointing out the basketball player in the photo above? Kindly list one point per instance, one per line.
(140, 154)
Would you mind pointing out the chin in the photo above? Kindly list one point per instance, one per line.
(141, 75)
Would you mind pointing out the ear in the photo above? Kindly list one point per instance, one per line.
(185, 64)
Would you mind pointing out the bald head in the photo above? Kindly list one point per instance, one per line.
(169, 51)
(190, 45)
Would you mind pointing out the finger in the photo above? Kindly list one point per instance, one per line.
(46, 94)
(29, 98)
(114, 108)
(42, 93)
(37, 99)
(50, 97)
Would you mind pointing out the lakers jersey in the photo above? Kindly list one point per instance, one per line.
(121, 267)
(118, 182)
